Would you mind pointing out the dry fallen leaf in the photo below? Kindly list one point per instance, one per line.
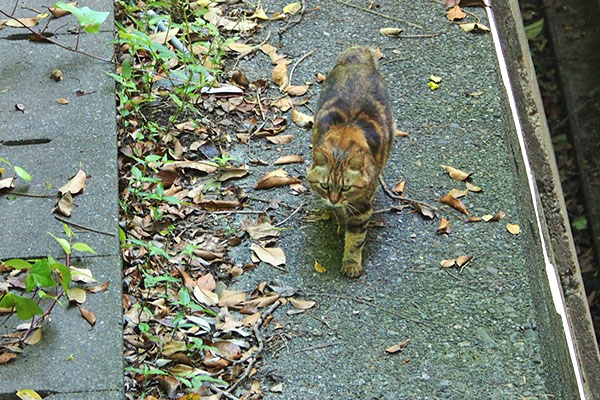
(454, 203)
(294, 158)
(82, 275)
(445, 227)
(474, 219)
(296, 90)
(513, 228)
(75, 185)
(424, 209)
(271, 255)
(456, 174)
(455, 13)
(99, 288)
(34, 337)
(280, 76)
(472, 188)
(22, 22)
(474, 27)
(397, 347)
(203, 166)
(59, 12)
(399, 133)
(302, 304)
(457, 194)
(57, 75)
(169, 385)
(260, 229)
(271, 51)
(278, 177)
(233, 172)
(319, 268)
(304, 121)
(390, 31)
(163, 37)
(6, 356)
(89, 316)
(231, 298)
(77, 294)
(399, 187)
(6, 183)
(219, 205)
(280, 139)
(260, 14)
(62, 101)
(65, 205)
(292, 8)
(320, 77)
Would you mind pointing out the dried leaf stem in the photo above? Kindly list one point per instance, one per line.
(261, 345)
(402, 198)
(310, 53)
(84, 227)
(379, 14)
(290, 216)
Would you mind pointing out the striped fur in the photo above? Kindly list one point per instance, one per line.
(352, 136)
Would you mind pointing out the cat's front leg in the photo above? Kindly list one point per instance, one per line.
(354, 241)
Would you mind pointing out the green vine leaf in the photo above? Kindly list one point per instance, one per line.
(83, 247)
(65, 275)
(17, 263)
(26, 308)
(40, 275)
(22, 173)
(89, 19)
(64, 243)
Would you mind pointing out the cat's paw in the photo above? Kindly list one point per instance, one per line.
(352, 270)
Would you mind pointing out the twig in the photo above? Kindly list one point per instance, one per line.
(40, 196)
(317, 347)
(235, 212)
(260, 107)
(423, 36)
(310, 53)
(62, 46)
(251, 50)
(293, 22)
(261, 345)
(290, 216)
(402, 198)
(83, 227)
(379, 14)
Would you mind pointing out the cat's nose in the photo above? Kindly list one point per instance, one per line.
(334, 197)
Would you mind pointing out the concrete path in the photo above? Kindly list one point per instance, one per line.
(489, 332)
(52, 142)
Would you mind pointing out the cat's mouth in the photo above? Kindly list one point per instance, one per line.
(339, 204)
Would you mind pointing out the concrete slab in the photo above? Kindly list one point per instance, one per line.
(96, 364)
(490, 332)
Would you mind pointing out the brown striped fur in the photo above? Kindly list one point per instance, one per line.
(352, 136)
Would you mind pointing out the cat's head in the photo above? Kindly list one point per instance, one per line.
(339, 178)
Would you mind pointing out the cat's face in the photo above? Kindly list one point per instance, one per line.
(338, 180)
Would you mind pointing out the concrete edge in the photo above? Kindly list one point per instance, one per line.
(541, 156)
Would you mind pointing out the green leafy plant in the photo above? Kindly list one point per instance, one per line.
(20, 172)
(90, 20)
(45, 278)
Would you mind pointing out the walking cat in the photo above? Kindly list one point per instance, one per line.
(352, 136)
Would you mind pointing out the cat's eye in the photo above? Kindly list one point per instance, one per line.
(346, 188)
(324, 185)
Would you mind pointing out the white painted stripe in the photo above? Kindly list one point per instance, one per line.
(551, 272)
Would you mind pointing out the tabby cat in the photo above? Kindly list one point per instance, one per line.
(353, 133)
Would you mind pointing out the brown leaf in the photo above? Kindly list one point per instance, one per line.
(219, 205)
(294, 158)
(207, 282)
(262, 301)
(203, 166)
(278, 177)
(205, 296)
(456, 174)
(241, 48)
(424, 209)
(455, 13)
(233, 172)
(319, 268)
(99, 288)
(457, 194)
(188, 282)
(89, 316)
(390, 31)
(6, 357)
(283, 103)
(397, 348)
(463, 260)
(304, 121)
(231, 298)
(496, 217)
(474, 27)
(239, 79)
(75, 185)
(77, 295)
(399, 133)
(6, 183)
(513, 228)
(62, 101)
(271, 255)
(65, 205)
(251, 320)
(280, 139)
(57, 75)
(19, 22)
(448, 263)
(82, 275)
(474, 219)
(34, 337)
(280, 74)
(454, 203)
(168, 384)
(302, 304)
(271, 51)
(173, 347)
(473, 188)
(445, 227)
(296, 90)
(59, 12)
(399, 187)
(320, 77)
(260, 229)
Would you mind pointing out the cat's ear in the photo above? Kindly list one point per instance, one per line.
(356, 161)
(320, 157)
